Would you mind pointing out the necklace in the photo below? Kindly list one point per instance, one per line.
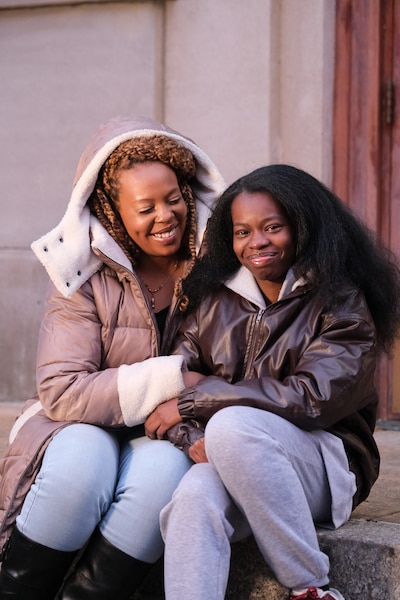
(154, 291)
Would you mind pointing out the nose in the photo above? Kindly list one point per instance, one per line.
(164, 213)
(258, 239)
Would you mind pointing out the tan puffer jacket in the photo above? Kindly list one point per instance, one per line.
(99, 351)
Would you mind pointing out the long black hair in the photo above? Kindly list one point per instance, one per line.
(334, 249)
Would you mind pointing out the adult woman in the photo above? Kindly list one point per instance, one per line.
(303, 299)
(141, 198)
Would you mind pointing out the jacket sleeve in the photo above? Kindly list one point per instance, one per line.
(76, 381)
(321, 388)
(184, 434)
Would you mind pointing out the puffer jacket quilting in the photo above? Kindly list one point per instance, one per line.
(106, 368)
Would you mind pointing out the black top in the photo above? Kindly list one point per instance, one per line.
(161, 318)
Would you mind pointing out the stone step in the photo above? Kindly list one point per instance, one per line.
(364, 558)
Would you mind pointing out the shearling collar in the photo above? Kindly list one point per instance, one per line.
(244, 284)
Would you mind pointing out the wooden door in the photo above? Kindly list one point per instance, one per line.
(366, 148)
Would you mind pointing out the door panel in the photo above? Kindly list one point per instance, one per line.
(366, 147)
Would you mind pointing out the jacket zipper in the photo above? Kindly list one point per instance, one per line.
(251, 346)
(129, 275)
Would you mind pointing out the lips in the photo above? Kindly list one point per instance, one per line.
(165, 233)
(261, 258)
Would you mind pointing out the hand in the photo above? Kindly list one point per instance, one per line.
(197, 451)
(191, 378)
(161, 419)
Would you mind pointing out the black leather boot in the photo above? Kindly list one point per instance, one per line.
(104, 572)
(31, 571)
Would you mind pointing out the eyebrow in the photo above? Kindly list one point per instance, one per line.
(171, 192)
(269, 218)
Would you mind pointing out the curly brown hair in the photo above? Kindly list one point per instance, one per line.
(103, 201)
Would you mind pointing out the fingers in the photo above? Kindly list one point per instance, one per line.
(151, 425)
(197, 451)
(155, 432)
(165, 416)
(154, 428)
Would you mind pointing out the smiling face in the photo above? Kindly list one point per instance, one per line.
(152, 208)
(263, 239)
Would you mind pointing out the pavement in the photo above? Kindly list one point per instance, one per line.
(364, 553)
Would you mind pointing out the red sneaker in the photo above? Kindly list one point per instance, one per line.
(313, 593)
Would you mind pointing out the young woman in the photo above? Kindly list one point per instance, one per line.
(291, 304)
(79, 469)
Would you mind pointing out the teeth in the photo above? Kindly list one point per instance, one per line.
(164, 235)
(264, 254)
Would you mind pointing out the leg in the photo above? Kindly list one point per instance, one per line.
(276, 475)
(103, 572)
(198, 526)
(74, 488)
(129, 541)
(59, 515)
(150, 471)
(30, 570)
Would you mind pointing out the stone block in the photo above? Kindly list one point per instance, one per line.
(365, 559)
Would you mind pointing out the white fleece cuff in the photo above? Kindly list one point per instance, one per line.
(144, 385)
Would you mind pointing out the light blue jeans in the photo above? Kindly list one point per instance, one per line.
(88, 479)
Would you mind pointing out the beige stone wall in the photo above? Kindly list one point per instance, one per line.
(251, 82)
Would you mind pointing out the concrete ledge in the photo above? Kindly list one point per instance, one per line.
(364, 557)
(250, 578)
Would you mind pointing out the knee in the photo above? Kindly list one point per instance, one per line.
(188, 494)
(84, 455)
(173, 462)
(155, 463)
(224, 431)
(194, 488)
(200, 504)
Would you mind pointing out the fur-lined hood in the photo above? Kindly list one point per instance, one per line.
(66, 251)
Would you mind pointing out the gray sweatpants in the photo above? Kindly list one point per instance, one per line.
(266, 477)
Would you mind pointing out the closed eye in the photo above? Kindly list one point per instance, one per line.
(173, 201)
(145, 211)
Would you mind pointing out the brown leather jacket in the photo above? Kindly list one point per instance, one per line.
(312, 367)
